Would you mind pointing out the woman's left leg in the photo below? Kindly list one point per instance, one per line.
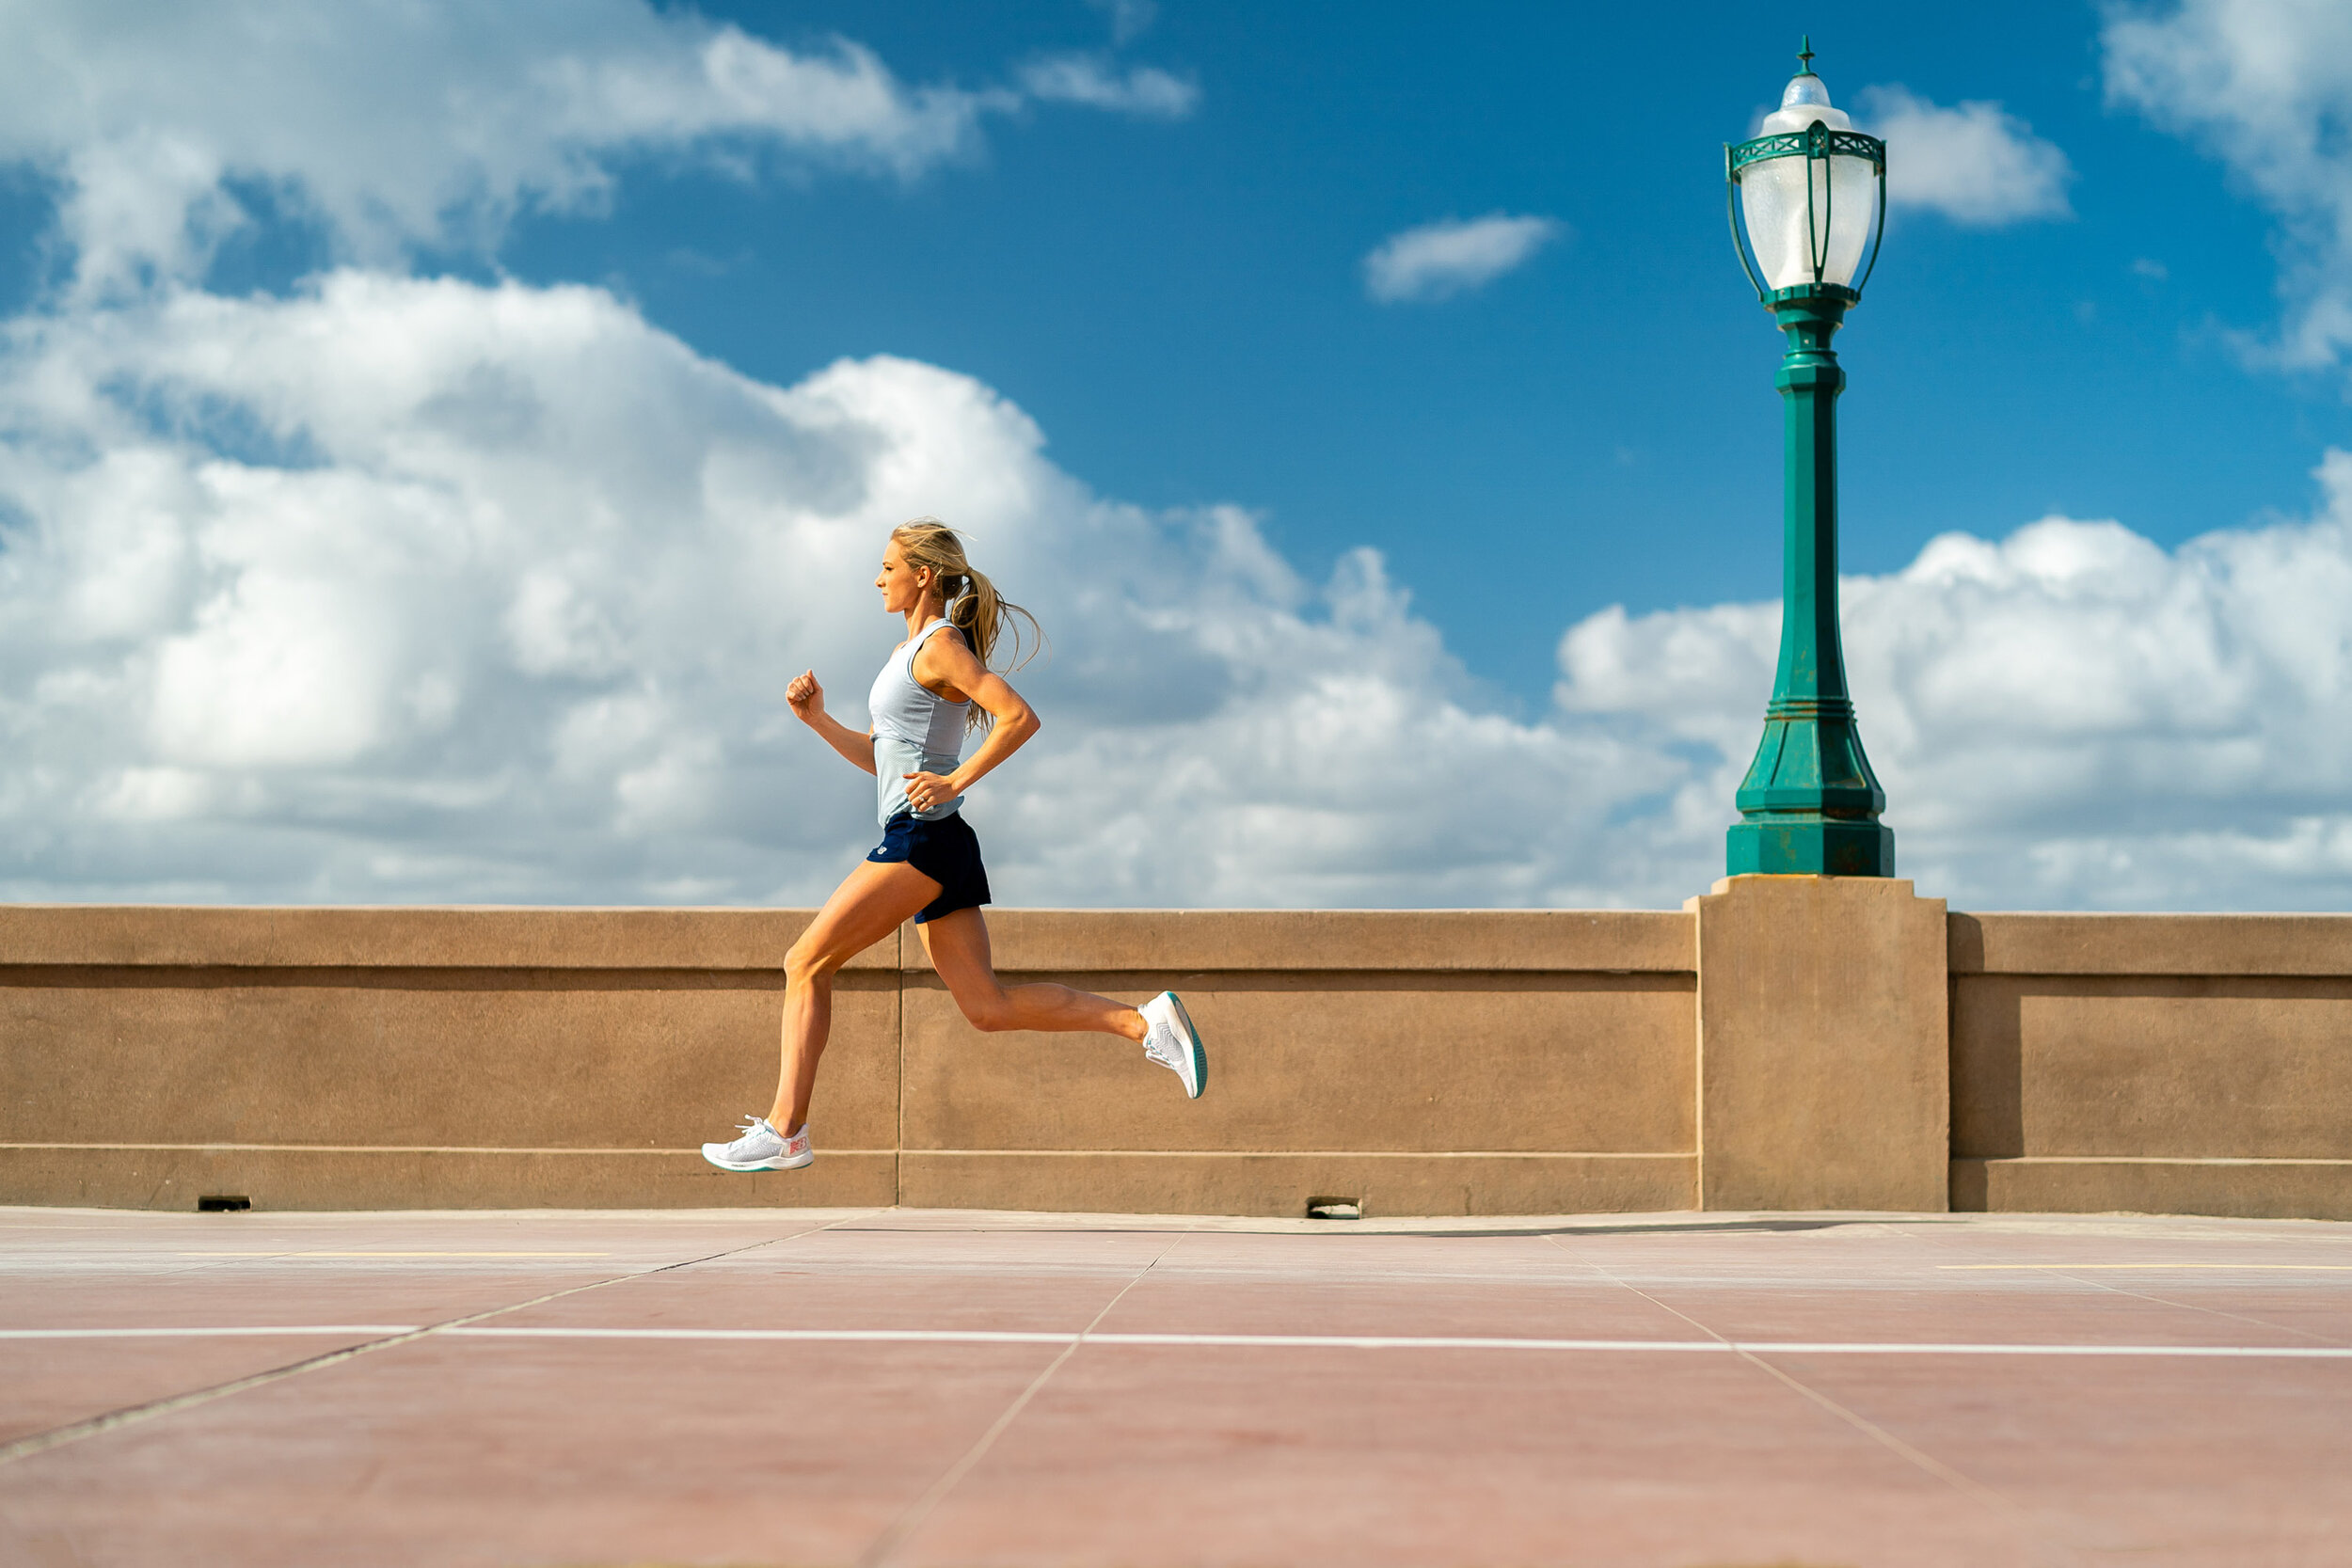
(958, 945)
(868, 905)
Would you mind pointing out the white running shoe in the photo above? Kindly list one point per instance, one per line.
(762, 1148)
(1174, 1043)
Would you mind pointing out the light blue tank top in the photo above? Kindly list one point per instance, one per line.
(915, 731)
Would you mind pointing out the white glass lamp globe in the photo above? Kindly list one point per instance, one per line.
(1791, 236)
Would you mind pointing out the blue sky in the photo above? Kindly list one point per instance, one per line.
(1180, 306)
(428, 431)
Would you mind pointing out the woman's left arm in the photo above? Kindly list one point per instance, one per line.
(945, 661)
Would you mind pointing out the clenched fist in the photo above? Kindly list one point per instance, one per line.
(806, 697)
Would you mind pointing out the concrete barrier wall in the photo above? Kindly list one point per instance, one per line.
(1444, 1064)
(1516, 1062)
(2166, 1064)
(354, 1058)
(1788, 1042)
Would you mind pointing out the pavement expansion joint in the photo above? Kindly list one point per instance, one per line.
(41, 1442)
(894, 1387)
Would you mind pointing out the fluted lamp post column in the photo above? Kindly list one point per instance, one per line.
(1811, 195)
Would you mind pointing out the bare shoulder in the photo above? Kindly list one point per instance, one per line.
(946, 665)
(946, 645)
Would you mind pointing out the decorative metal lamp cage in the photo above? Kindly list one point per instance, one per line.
(1806, 200)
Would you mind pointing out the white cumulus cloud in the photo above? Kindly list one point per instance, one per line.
(1128, 18)
(2071, 717)
(400, 124)
(420, 589)
(2266, 86)
(1439, 259)
(1144, 90)
(1975, 163)
(423, 590)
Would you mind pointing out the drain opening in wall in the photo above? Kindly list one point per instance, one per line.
(1335, 1209)
(223, 1203)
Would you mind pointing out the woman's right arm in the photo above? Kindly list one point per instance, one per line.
(808, 702)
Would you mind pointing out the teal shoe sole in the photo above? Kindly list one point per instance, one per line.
(1192, 1038)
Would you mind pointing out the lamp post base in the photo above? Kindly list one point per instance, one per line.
(1808, 844)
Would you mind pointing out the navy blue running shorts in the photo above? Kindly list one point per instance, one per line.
(947, 852)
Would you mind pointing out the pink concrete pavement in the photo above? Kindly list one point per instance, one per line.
(903, 1387)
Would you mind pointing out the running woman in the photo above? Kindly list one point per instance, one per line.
(935, 688)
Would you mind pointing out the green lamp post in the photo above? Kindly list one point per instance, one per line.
(1810, 193)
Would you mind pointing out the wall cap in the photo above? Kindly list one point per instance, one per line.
(2183, 944)
(1024, 941)
(406, 937)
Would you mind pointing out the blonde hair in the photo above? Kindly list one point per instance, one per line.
(972, 603)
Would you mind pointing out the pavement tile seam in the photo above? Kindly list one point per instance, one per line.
(1947, 1241)
(2036, 1531)
(1994, 1502)
(2050, 1529)
(41, 1442)
(2218, 1312)
(902, 1531)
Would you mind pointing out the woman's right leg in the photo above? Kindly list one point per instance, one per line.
(870, 903)
(958, 946)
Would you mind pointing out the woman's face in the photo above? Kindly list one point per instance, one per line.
(902, 586)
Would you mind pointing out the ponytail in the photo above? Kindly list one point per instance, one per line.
(973, 605)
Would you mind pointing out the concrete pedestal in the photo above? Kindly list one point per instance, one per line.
(1823, 1060)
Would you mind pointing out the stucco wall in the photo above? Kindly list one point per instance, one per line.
(1436, 1063)
(1449, 1063)
(2193, 1064)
